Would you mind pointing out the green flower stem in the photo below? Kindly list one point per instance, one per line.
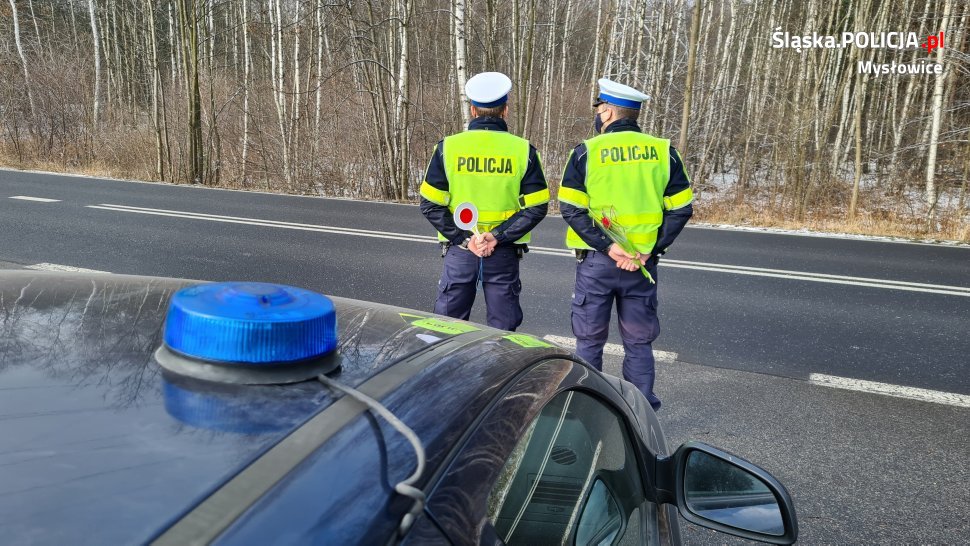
(647, 274)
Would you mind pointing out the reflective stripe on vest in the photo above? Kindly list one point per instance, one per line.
(573, 197)
(679, 200)
(433, 194)
(486, 168)
(534, 199)
(626, 174)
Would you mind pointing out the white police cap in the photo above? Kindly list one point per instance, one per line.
(620, 95)
(488, 89)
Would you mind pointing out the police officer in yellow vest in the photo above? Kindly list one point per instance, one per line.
(501, 175)
(639, 183)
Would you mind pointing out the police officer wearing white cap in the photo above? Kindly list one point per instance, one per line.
(639, 183)
(501, 175)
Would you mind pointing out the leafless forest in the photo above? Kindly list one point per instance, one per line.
(347, 98)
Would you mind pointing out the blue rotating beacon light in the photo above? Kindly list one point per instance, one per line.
(249, 333)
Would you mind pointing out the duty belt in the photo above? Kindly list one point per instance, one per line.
(520, 249)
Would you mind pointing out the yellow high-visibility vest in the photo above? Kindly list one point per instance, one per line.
(486, 169)
(626, 175)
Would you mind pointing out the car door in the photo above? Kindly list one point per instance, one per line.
(554, 461)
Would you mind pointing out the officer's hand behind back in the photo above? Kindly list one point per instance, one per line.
(628, 265)
(481, 248)
(474, 248)
(490, 243)
(618, 254)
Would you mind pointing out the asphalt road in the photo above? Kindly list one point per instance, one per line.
(713, 314)
(751, 317)
(861, 468)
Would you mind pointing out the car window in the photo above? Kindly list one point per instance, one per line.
(572, 479)
(600, 521)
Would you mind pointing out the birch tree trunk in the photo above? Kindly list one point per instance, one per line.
(966, 179)
(318, 16)
(640, 8)
(294, 134)
(33, 19)
(23, 58)
(175, 58)
(156, 89)
(247, 63)
(279, 83)
(92, 9)
(214, 165)
(691, 64)
(77, 45)
(593, 90)
(402, 105)
(547, 80)
(189, 24)
(525, 102)
(931, 194)
(859, 102)
(460, 55)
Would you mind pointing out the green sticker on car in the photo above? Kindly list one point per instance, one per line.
(441, 326)
(527, 341)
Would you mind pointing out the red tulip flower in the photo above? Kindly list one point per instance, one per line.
(606, 221)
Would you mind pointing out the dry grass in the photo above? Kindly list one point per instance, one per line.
(114, 152)
(949, 226)
(96, 168)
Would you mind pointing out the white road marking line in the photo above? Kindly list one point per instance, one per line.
(549, 251)
(682, 264)
(870, 283)
(268, 223)
(65, 268)
(692, 225)
(610, 348)
(37, 199)
(796, 275)
(913, 393)
(819, 277)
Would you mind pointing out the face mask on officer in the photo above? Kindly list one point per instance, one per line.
(598, 121)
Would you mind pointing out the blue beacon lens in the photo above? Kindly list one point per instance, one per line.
(250, 324)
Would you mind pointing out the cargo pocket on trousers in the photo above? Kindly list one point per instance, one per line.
(579, 298)
(515, 307)
(638, 321)
(578, 315)
(440, 304)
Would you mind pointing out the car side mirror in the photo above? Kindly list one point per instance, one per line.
(717, 490)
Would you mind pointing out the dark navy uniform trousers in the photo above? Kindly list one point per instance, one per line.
(598, 283)
(500, 282)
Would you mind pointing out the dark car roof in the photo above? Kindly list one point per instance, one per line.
(99, 446)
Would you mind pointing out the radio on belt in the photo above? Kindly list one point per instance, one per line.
(249, 333)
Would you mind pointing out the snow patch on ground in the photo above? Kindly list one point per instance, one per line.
(723, 181)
